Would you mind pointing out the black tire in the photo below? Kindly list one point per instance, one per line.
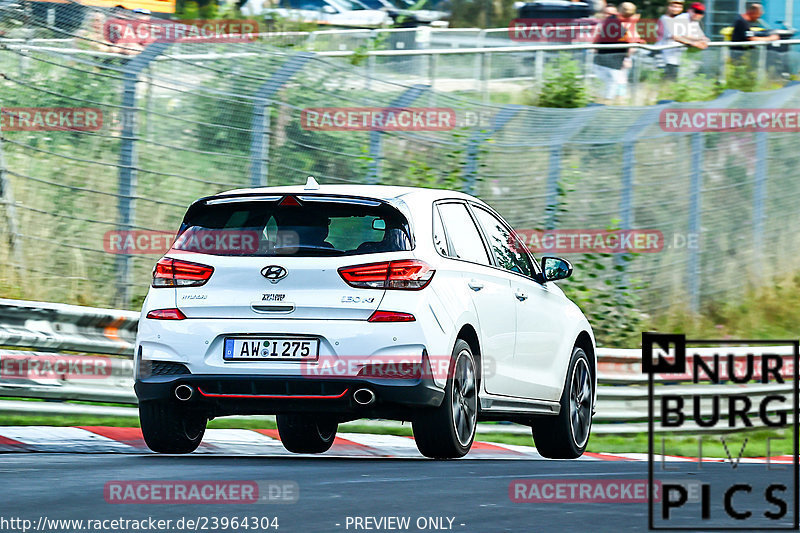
(447, 431)
(565, 435)
(306, 433)
(170, 428)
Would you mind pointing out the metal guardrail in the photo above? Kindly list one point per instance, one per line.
(622, 392)
(63, 327)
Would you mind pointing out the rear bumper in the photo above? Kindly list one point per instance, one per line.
(220, 395)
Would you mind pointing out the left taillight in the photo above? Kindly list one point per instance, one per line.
(166, 314)
(408, 274)
(176, 273)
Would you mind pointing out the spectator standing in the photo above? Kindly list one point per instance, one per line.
(613, 64)
(685, 30)
(666, 23)
(743, 29)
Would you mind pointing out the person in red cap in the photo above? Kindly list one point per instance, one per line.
(686, 30)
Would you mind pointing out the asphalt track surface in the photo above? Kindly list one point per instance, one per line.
(473, 492)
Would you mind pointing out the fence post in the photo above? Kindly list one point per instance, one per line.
(478, 58)
(432, 70)
(551, 189)
(695, 205)
(636, 74)
(260, 126)
(7, 199)
(371, 59)
(709, 22)
(538, 67)
(557, 142)
(762, 63)
(127, 162)
(762, 167)
(759, 191)
(588, 68)
(375, 148)
(723, 64)
(473, 145)
(148, 118)
(646, 118)
(485, 68)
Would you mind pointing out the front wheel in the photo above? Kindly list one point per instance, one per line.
(447, 431)
(565, 435)
(170, 428)
(306, 433)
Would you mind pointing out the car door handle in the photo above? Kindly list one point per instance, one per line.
(521, 296)
(475, 285)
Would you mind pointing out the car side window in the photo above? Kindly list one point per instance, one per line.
(504, 245)
(439, 239)
(464, 236)
(310, 5)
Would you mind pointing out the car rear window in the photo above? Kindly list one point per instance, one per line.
(299, 226)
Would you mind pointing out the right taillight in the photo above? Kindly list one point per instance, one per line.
(408, 274)
(176, 273)
(391, 316)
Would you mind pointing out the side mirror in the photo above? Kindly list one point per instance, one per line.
(330, 10)
(555, 268)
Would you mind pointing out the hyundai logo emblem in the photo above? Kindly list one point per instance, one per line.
(274, 273)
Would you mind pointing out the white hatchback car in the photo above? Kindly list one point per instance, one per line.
(324, 304)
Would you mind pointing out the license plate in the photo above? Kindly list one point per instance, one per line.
(270, 349)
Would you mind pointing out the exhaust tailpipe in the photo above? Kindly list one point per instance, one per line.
(364, 396)
(184, 392)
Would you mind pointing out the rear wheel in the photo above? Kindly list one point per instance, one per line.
(306, 433)
(170, 428)
(447, 431)
(565, 435)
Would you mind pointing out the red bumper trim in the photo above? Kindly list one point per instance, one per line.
(273, 396)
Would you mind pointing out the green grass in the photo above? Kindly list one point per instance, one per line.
(771, 311)
(756, 445)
